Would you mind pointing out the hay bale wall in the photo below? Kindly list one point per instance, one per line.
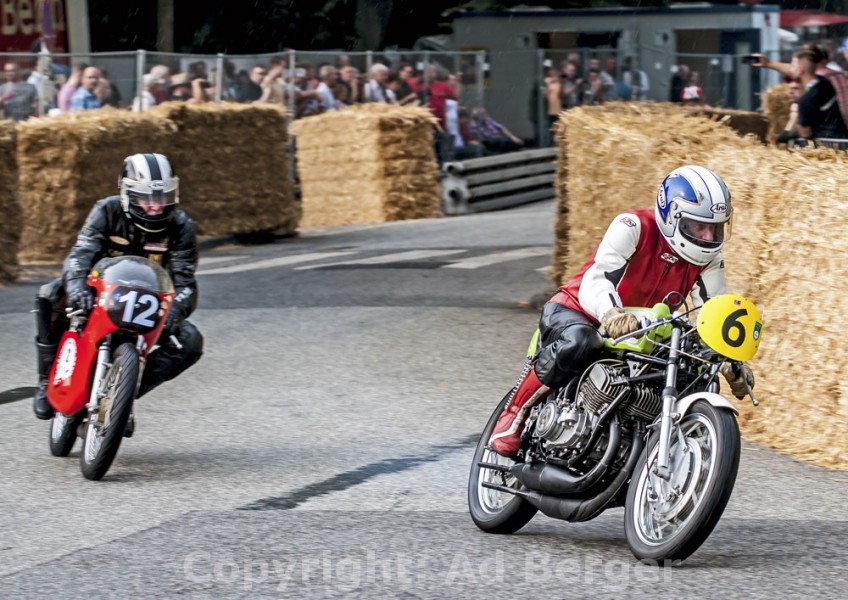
(367, 164)
(68, 162)
(781, 258)
(10, 223)
(234, 176)
(234, 166)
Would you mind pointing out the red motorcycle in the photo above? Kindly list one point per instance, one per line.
(95, 377)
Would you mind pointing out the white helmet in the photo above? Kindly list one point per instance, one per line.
(149, 191)
(694, 214)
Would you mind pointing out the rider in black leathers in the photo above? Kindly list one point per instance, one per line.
(142, 221)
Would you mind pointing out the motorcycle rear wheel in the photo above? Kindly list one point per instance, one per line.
(63, 433)
(669, 520)
(103, 433)
(491, 510)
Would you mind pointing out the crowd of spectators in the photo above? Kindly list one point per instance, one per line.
(308, 88)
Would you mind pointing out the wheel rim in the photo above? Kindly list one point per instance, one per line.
(492, 501)
(60, 422)
(93, 441)
(663, 508)
(98, 426)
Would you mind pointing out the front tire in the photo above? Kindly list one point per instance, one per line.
(669, 520)
(104, 431)
(63, 433)
(491, 510)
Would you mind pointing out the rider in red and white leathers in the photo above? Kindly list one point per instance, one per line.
(644, 255)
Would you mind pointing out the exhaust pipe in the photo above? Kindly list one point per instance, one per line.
(582, 510)
(550, 479)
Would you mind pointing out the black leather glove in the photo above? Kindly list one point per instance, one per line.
(80, 296)
(172, 322)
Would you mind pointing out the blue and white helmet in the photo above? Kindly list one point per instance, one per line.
(694, 214)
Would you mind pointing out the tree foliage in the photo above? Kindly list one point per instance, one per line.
(260, 26)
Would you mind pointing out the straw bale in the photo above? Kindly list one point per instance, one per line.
(68, 162)
(787, 261)
(741, 121)
(234, 166)
(776, 108)
(367, 164)
(10, 208)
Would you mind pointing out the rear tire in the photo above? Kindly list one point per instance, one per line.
(493, 511)
(63, 433)
(104, 432)
(662, 524)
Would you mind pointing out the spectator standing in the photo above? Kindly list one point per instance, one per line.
(593, 91)
(438, 92)
(18, 98)
(185, 89)
(679, 77)
(818, 108)
(553, 96)
(693, 94)
(251, 89)
(147, 98)
(274, 88)
(63, 100)
(84, 97)
(326, 99)
(406, 93)
(109, 94)
(375, 89)
(572, 86)
(610, 87)
(495, 138)
(349, 77)
(163, 73)
(636, 79)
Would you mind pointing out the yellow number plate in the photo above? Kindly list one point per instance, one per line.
(732, 326)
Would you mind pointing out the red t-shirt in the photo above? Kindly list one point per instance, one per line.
(439, 92)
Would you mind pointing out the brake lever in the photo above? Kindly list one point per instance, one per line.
(738, 371)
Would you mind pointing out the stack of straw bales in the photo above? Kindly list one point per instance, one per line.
(9, 207)
(232, 161)
(367, 164)
(783, 258)
(234, 166)
(69, 161)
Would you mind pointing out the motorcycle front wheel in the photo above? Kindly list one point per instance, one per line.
(491, 510)
(669, 520)
(63, 433)
(105, 430)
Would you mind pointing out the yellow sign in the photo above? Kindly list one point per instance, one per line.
(732, 326)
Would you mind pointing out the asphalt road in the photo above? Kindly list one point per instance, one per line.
(321, 446)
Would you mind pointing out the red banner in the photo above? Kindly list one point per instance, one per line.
(23, 21)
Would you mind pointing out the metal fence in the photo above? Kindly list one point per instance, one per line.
(510, 84)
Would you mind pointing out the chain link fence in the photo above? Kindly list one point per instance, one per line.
(512, 86)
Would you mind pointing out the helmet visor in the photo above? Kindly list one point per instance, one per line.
(705, 234)
(152, 197)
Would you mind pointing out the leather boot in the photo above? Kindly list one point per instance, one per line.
(506, 438)
(46, 356)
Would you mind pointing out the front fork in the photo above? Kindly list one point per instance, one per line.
(104, 356)
(669, 398)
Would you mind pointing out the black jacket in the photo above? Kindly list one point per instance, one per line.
(108, 231)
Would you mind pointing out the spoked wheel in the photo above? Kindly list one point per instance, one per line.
(494, 511)
(105, 430)
(669, 520)
(63, 433)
